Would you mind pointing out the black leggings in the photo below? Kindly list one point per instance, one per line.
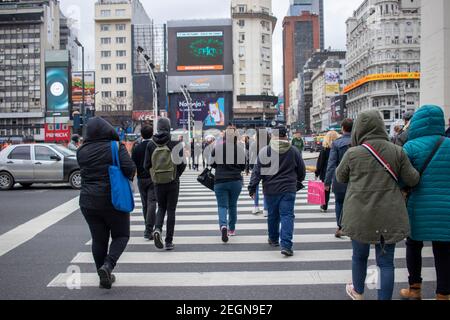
(102, 224)
(167, 197)
(441, 251)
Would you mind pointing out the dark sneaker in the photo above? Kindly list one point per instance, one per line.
(170, 246)
(274, 244)
(113, 278)
(147, 235)
(157, 238)
(287, 252)
(105, 277)
(339, 234)
(224, 234)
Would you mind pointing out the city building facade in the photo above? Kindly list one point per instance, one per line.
(301, 38)
(294, 96)
(68, 34)
(297, 7)
(114, 20)
(383, 58)
(27, 31)
(253, 26)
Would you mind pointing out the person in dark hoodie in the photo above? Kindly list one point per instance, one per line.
(374, 207)
(229, 160)
(145, 184)
(95, 158)
(166, 193)
(281, 177)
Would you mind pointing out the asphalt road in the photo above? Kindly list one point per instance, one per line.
(34, 269)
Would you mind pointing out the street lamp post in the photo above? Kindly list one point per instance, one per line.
(83, 111)
(188, 98)
(154, 84)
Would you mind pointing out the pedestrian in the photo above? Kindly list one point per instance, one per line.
(298, 142)
(165, 161)
(447, 133)
(228, 159)
(429, 202)
(338, 150)
(74, 143)
(322, 164)
(281, 179)
(95, 158)
(374, 208)
(261, 141)
(145, 183)
(402, 136)
(397, 131)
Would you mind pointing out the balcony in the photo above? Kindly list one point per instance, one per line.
(255, 15)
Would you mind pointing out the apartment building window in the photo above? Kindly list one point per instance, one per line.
(106, 80)
(106, 54)
(387, 115)
(265, 38)
(121, 94)
(120, 27)
(121, 40)
(105, 13)
(121, 107)
(105, 40)
(106, 108)
(106, 67)
(120, 12)
(121, 80)
(242, 9)
(106, 94)
(105, 27)
(241, 51)
(241, 23)
(121, 53)
(121, 66)
(241, 37)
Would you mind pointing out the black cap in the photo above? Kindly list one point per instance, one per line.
(76, 138)
(280, 131)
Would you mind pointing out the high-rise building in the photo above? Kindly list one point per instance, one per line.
(253, 26)
(67, 37)
(301, 38)
(313, 6)
(383, 58)
(114, 20)
(306, 86)
(27, 31)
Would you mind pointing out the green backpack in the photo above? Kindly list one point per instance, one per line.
(163, 169)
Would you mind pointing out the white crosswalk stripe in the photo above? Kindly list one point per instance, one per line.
(320, 258)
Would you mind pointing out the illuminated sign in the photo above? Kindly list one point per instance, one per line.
(57, 89)
(383, 77)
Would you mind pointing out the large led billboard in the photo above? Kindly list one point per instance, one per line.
(57, 89)
(77, 90)
(200, 51)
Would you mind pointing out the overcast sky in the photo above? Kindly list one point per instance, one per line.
(336, 12)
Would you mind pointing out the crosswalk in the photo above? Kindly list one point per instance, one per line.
(201, 259)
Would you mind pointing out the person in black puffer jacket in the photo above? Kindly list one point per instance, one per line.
(95, 158)
(229, 160)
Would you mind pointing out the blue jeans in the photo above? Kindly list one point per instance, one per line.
(385, 263)
(339, 200)
(281, 210)
(257, 198)
(227, 195)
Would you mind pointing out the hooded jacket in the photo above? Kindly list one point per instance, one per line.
(163, 137)
(429, 202)
(229, 159)
(282, 177)
(94, 158)
(374, 208)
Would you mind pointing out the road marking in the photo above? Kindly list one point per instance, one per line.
(27, 231)
(237, 279)
(206, 240)
(241, 257)
(245, 217)
(248, 209)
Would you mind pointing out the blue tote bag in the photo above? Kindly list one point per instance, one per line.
(121, 191)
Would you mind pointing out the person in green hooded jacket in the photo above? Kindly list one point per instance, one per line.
(374, 207)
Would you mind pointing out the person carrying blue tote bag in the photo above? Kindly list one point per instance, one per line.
(121, 190)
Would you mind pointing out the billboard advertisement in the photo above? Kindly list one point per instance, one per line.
(338, 109)
(382, 77)
(332, 87)
(143, 115)
(210, 109)
(57, 132)
(57, 89)
(200, 51)
(77, 90)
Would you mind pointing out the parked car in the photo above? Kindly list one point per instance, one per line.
(309, 144)
(38, 163)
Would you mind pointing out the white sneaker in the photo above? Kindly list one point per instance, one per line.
(266, 213)
(352, 293)
(256, 211)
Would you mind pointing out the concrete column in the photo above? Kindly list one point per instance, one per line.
(435, 54)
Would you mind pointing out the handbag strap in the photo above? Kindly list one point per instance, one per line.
(115, 154)
(381, 161)
(433, 153)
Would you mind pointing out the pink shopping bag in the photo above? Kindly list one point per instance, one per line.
(316, 193)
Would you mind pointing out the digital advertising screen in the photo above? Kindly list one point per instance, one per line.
(57, 89)
(208, 108)
(77, 90)
(200, 51)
